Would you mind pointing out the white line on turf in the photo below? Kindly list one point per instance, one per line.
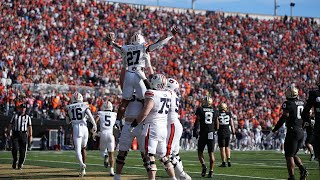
(228, 175)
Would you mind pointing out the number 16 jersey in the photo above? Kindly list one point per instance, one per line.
(77, 113)
(207, 116)
(107, 121)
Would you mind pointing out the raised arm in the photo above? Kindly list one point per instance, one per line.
(111, 41)
(162, 41)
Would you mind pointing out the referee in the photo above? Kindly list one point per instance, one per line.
(21, 135)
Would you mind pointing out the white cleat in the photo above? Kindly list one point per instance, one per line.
(184, 176)
(82, 171)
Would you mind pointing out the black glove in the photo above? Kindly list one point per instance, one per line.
(134, 123)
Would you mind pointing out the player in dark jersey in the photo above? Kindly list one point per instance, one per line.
(291, 115)
(314, 102)
(309, 140)
(205, 116)
(223, 124)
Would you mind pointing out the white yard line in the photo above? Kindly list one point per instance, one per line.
(228, 175)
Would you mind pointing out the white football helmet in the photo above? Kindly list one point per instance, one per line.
(292, 92)
(172, 85)
(158, 81)
(107, 106)
(77, 97)
(137, 38)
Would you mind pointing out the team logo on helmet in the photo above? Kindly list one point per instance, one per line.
(77, 97)
(158, 81)
(223, 107)
(291, 92)
(172, 84)
(107, 106)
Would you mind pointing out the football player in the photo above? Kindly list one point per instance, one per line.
(314, 102)
(291, 115)
(78, 113)
(133, 110)
(135, 58)
(223, 124)
(175, 130)
(107, 120)
(309, 140)
(155, 117)
(205, 116)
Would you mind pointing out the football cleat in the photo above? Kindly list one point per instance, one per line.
(303, 174)
(82, 170)
(210, 175)
(223, 164)
(229, 164)
(204, 171)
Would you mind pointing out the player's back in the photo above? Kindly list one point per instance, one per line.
(173, 114)
(224, 120)
(206, 115)
(77, 112)
(107, 121)
(295, 108)
(160, 110)
(135, 56)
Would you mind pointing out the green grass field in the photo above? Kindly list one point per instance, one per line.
(246, 165)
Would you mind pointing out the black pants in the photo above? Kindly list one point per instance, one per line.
(19, 141)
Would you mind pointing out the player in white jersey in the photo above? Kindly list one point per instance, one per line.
(154, 115)
(133, 110)
(175, 130)
(107, 119)
(135, 58)
(78, 113)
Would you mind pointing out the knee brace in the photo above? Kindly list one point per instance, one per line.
(165, 161)
(121, 157)
(151, 165)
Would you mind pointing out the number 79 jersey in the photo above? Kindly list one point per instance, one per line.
(207, 116)
(107, 121)
(162, 104)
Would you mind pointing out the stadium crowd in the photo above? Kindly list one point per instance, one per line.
(242, 61)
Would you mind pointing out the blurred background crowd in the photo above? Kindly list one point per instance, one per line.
(48, 49)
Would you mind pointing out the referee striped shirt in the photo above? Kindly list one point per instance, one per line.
(20, 122)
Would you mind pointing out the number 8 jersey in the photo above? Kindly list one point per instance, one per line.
(107, 121)
(207, 116)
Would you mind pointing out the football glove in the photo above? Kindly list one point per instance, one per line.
(118, 124)
(174, 30)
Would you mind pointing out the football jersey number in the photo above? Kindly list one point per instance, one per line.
(224, 120)
(131, 55)
(107, 120)
(165, 105)
(76, 114)
(299, 111)
(208, 116)
(177, 105)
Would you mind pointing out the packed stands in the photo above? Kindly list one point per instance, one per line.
(245, 62)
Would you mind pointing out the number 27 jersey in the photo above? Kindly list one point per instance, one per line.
(206, 115)
(107, 121)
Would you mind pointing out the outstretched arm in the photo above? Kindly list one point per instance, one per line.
(281, 121)
(162, 41)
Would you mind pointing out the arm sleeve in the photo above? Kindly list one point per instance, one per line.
(306, 110)
(116, 47)
(88, 112)
(281, 121)
(159, 44)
